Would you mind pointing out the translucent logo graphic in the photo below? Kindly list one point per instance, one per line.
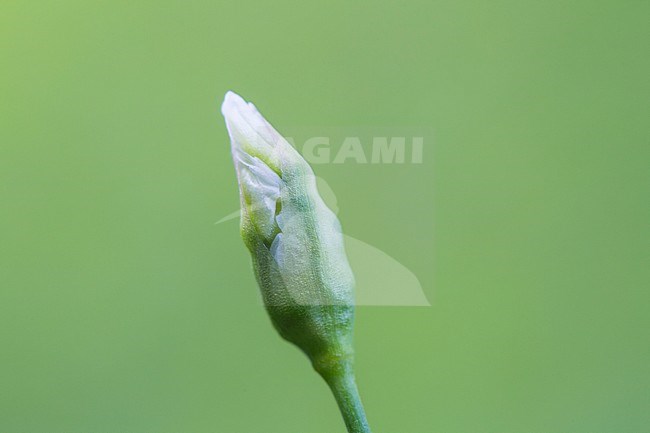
(380, 279)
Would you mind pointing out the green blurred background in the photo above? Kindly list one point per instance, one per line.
(124, 308)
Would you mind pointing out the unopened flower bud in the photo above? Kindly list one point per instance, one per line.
(296, 245)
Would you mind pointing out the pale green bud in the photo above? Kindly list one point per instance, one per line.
(296, 245)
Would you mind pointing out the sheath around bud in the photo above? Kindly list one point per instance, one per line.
(294, 239)
(297, 250)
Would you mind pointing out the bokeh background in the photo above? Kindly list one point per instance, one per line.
(124, 308)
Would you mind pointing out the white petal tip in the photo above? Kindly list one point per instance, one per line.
(231, 101)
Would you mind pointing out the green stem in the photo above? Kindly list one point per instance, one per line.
(344, 388)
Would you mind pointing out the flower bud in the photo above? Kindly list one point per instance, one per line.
(296, 245)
